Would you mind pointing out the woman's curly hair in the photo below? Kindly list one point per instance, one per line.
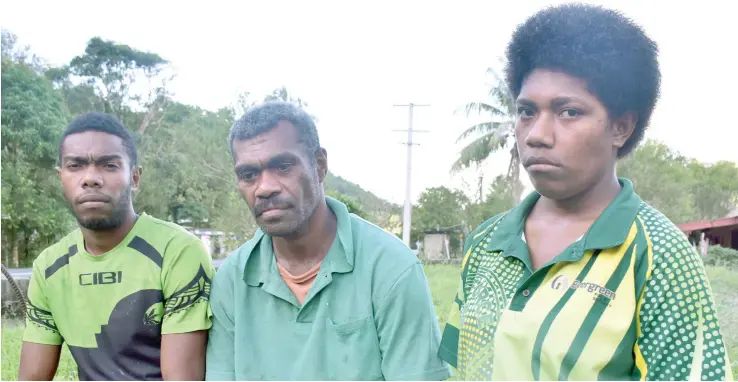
(601, 46)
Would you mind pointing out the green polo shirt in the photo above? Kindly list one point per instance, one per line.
(369, 314)
(630, 300)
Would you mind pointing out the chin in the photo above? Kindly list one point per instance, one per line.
(552, 189)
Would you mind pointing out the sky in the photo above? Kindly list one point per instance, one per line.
(353, 61)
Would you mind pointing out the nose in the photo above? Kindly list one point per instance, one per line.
(92, 178)
(268, 185)
(540, 132)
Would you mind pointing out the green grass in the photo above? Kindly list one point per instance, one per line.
(443, 281)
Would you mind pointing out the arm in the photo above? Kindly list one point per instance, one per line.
(187, 275)
(408, 330)
(38, 362)
(679, 334)
(221, 346)
(183, 356)
(41, 339)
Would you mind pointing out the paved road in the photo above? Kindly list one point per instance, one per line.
(25, 273)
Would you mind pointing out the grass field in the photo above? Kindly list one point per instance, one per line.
(443, 281)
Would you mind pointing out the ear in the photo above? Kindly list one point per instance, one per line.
(321, 159)
(136, 177)
(623, 128)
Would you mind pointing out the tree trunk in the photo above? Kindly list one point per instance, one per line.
(16, 262)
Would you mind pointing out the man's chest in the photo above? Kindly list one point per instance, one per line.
(564, 320)
(92, 297)
(332, 336)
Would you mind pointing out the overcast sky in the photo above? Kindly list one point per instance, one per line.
(353, 62)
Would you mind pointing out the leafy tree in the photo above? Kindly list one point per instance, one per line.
(492, 135)
(352, 204)
(439, 208)
(661, 177)
(715, 188)
(33, 211)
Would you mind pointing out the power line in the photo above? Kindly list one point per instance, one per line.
(407, 214)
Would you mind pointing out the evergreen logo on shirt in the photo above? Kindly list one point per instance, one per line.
(561, 283)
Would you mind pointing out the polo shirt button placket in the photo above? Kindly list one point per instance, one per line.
(526, 293)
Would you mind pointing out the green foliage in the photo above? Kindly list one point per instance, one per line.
(353, 205)
(721, 257)
(188, 171)
(683, 189)
(32, 119)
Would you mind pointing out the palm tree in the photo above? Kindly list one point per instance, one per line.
(492, 135)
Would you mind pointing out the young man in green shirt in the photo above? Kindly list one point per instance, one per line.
(582, 280)
(127, 293)
(317, 293)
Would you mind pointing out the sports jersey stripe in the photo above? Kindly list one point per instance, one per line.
(563, 329)
(61, 262)
(598, 309)
(546, 324)
(641, 368)
(628, 292)
(622, 359)
(143, 247)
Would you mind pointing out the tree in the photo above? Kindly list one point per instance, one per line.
(352, 204)
(110, 69)
(34, 213)
(715, 188)
(439, 208)
(498, 200)
(491, 135)
(661, 178)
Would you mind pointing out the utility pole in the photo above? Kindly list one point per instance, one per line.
(407, 215)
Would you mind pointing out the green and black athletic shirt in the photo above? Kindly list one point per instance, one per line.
(112, 309)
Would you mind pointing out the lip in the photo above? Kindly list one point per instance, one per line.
(92, 199)
(272, 212)
(540, 164)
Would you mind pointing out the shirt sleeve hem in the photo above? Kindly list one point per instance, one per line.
(179, 329)
(219, 376)
(43, 341)
(439, 374)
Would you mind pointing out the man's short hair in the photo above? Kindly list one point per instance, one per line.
(601, 46)
(105, 123)
(262, 118)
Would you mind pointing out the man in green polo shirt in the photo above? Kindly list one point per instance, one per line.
(582, 280)
(317, 293)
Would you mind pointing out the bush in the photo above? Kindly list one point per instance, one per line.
(722, 257)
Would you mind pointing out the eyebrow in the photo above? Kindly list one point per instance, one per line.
(273, 161)
(556, 102)
(99, 159)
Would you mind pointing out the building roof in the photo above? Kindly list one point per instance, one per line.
(706, 224)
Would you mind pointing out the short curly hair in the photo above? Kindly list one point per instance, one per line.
(609, 51)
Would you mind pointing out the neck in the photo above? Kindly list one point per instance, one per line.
(98, 242)
(586, 205)
(313, 242)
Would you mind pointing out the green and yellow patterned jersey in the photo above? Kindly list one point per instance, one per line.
(629, 300)
(112, 309)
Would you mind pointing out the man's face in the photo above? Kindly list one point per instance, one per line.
(277, 179)
(97, 179)
(565, 138)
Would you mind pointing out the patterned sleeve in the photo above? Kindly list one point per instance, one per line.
(679, 335)
(40, 325)
(187, 276)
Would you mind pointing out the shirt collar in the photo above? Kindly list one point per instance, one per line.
(340, 259)
(609, 230)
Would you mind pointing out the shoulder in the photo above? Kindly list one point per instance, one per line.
(664, 238)
(485, 228)
(63, 248)
(166, 237)
(373, 244)
(237, 259)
